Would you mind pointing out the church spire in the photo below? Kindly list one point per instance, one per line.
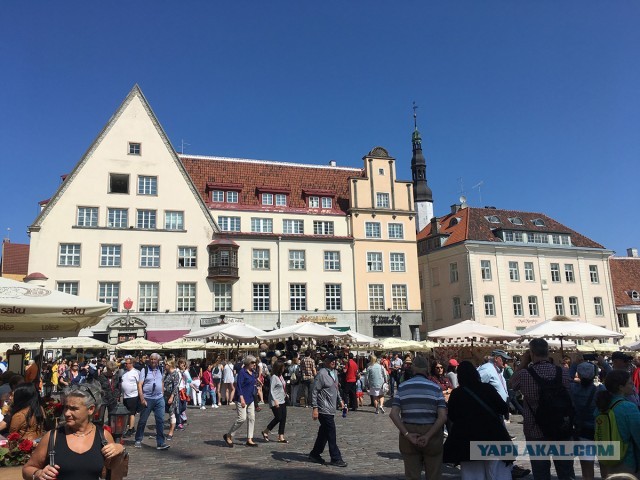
(422, 195)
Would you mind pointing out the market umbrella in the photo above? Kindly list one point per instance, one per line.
(237, 332)
(29, 312)
(356, 339)
(304, 330)
(139, 344)
(633, 347)
(471, 331)
(393, 343)
(80, 342)
(562, 328)
(183, 344)
(426, 346)
(524, 344)
(598, 347)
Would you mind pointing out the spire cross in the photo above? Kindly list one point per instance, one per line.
(415, 115)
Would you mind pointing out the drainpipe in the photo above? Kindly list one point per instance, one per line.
(471, 303)
(353, 269)
(279, 305)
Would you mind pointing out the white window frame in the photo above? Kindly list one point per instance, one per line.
(173, 220)
(518, 310)
(372, 230)
(555, 272)
(229, 224)
(147, 185)
(69, 254)
(109, 293)
(569, 274)
(146, 219)
(222, 297)
(281, 200)
(376, 296)
(332, 261)
(397, 262)
(110, 255)
(485, 269)
(217, 196)
(593, 274)
(598, 306)
(297, 297)
(323, 227)
(558, 301)
(261, 297)
(266, 198)
(260, 259)
(395, 231)
(148, 296)
(383, 200)
(68, 287)
(261, 225)
(574, 307)
(514, 271)
(149, 256)
(87, 217)
(293, 226)
(117, 218)
(489, 306)
(314, 202)
(374, 262)
(186, 297)
(232, 196)
(326, 202)
(529, 272)
(187, 257)
(333, 296)
(297, 260)
(533, 306)
(399, 297)
(135, 148)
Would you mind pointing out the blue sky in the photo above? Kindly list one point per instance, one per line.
(539, 100)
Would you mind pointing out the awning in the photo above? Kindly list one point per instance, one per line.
(340, 329)
(164, 336)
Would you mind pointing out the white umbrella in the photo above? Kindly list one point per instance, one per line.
(31, 312)
(472, 331)
(524, 344)
(598, 347)
(183, 344)
(359, 339)
(304, 330)
(80, 342)
(237, 332)
(393, 343)
(633, 347)
(139, 344)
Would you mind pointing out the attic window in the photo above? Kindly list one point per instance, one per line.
(635, 296)
(134, 148)
(516, 221)
(493, 219)
(538, 222)
(454, 221)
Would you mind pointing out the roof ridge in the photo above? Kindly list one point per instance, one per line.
(268, 162)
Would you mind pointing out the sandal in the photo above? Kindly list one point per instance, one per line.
(284, 440)
(228, 440)
(265, 435)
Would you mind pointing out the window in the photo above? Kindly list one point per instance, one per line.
(297, 260)
(516, 221)
(372, 229)
(517, 306)
(150, 256)
(146, 219)
(298, 296)
(186, 297)
(638, 319)
(174, 220)
(555, 272)
(260, 259)
(109, 293)
(533, 305)
(69, 255)
(623, 320)
(261, 301)
(538, 238)
(67, 287)
(399, 297)
(510, 236)
(574, 310)
(332, 261)
(381, 171)
(217, 196)
(262, 225)
(599, 308)
(374, 261)
(453, 272)
(514, 272)
(134, 148)
(376, 297)
(485, 269)
(538, 222)
(221, 297)
(117, 218)
(293, 226)
(87, 217)
(493, 219)
(147, 185)
(229, 224)
(187, 257)
(232, 197)
(568, 273)
(118, 183)
(321, 227)
(435, 276)
(593, 274)
(559, 302)
(148, 296)
(314, 202)
(110, 255)
(529, 275)
(489, 306)
(267, 199)
(327, 202)
(457, 308)
(396, 230)
(333, 296)
(382, 200)
(281, 200)
(396, 262)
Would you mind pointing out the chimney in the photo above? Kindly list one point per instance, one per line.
(435, 226)
(632, 252)
(455, 208)
(332, 163)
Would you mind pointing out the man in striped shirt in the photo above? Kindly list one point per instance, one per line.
(419, 412)
(308, 374)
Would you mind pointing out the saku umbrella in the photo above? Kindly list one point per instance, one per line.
(139, 344)
(183, 344)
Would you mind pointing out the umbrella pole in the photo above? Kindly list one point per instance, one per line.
(561, 349)
(40, 360)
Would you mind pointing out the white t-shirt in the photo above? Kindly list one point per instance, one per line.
(130, 381)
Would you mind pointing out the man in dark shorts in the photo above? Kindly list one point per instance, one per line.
(129, 384)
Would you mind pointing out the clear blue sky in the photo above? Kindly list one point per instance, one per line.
(539, 100)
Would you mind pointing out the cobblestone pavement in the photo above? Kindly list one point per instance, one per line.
(369, 444)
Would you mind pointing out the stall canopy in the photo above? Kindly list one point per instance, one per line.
(29, 312)
(184, 344)
(79, 342)
(229, 332)
(398, 344)
(139, 344)
(304, 331)
(470, 331)
(563, 327)
(356, 339)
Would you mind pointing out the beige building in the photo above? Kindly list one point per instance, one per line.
(625, 279)
(192, 239)
(512, 270)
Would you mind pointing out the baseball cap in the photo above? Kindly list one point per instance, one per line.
(586, 370)
(500, 353)
(453, 362)
(621, 356)
(329, 357)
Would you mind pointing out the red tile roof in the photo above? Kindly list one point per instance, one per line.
(15, 258)
(255, 176)
(625, 278)
(472, 224)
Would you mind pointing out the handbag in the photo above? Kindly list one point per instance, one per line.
(183, 395)
(122, 470)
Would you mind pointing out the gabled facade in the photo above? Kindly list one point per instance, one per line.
(14, 260)
(512, 270)
(625, 280)
(192, 239)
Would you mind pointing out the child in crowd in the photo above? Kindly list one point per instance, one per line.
(359, 389)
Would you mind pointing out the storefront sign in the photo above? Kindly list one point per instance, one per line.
(527, 321)
(317, 319)
(386, 319)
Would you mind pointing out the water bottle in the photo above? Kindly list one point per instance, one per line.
(344, 412)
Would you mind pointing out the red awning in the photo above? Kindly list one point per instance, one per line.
(164, 336)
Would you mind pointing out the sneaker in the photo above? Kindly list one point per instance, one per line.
(180, 427)
(316, 459)
(138, 445)
(203, 407)
(169, 437)
(164, 446)
(382, 409)
(377, 411)
(338, 463)
(215, 405)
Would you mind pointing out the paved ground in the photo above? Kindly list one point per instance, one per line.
(368, 443)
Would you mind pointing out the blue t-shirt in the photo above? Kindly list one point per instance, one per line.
(151, 383)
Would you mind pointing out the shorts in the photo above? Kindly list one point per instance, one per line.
(132, 404)
(359, 394)
(376, 392)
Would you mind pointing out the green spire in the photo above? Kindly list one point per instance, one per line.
(415, 136)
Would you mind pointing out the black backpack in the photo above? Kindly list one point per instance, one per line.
(555, 411)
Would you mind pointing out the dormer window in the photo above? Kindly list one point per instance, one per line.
(327, 202)
(317, 198)
(493, 219)
(516, 221)
(267, 199)
(454, 221)
(217, 196)
(314, 202)
(224, 192)
(538, 222)
(635, 296)
(281, 200)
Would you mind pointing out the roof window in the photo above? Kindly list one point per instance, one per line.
(516, 221)
(635, 296)
(493, 219)
(538, 222)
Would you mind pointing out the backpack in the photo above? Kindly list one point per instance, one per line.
(555, 411)
(607, 431)
(295, 375)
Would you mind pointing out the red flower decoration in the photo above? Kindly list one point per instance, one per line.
(26, 446)
(13, 437)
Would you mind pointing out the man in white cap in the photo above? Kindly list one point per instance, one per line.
(491, 372)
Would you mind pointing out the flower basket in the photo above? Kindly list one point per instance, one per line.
(16, 452)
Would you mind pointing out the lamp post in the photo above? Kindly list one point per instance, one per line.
(119, 421)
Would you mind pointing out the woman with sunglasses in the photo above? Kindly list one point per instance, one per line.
(245, 405)
(77, 447)
(438, 376)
